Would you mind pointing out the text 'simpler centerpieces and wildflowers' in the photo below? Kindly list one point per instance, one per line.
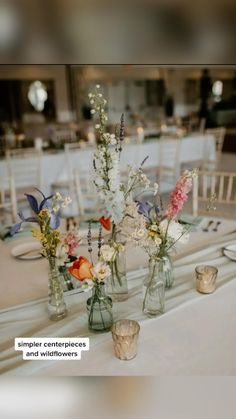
(114, 194)
(56, 248)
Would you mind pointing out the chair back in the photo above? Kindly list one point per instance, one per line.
(8, 205)
(221, 186)
(25, 166)
(219, 135)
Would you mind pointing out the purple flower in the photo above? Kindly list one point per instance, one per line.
(36, 208)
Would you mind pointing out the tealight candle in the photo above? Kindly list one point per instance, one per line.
(206, 279)
(125, 337)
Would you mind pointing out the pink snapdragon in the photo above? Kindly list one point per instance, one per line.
(180, 194)
(72, 241)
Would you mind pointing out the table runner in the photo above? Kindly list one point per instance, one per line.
(31, 320)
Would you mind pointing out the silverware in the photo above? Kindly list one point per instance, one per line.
(206, 229)
(217, 225)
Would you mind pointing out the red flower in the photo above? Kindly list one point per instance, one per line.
(106, 222)
(81, 269)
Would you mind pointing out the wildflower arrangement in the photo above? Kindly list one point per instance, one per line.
(154, 229)
(113, 192)
(90, 275)
(46, 216)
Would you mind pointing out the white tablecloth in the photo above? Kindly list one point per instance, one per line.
(54, 166)
(196, 335)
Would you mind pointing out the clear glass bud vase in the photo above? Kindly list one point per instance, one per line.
(99, 308)
(56, 304)
(116, 284)
(166, 267)
(67, 279)
(154, 290)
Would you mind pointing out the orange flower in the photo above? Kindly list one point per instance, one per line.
(81, 269)
(106, 222)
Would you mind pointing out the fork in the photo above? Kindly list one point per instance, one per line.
(206, 229)
(216, 226)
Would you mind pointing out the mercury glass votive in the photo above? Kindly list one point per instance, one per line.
(206, 279)
(125, 337)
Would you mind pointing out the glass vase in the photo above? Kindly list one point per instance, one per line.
(166, 267)
(154, 290)
(116, 284)
(67, 278)
(56, 304)
(99, 308)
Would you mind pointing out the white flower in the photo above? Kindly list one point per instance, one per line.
(87, 284)
(92, 111)
(107, 253)
(97, 126)
(58, 196)
(175, 231)
(90, 95)
(155, 187)
(61, 254)
(112, 139)
(157, 240)
(66, 202)
(98, 86)
(101, 271)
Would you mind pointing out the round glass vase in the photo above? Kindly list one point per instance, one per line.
(56, 304)
(99, 309)
(166, 268)
(154, 290)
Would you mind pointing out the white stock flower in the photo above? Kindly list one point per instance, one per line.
(66, 202)
(101, 272)
(155, 187)
(107, 253)
(61, 254)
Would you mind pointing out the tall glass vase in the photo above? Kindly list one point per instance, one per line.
(166, 268)
(99, 308)
(67, 279)
(154, 290)
(116, 285)
(56, 304)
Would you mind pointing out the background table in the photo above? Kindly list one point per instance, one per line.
(196, 335)
(194, 147)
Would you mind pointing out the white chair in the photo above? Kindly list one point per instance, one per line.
(219, 135)
(221, 186)
(63, 136)
(25, 166)
(8, 204)
(86, 195)
(168, 169)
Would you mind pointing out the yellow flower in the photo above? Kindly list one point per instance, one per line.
(37, 234)
(44, 213)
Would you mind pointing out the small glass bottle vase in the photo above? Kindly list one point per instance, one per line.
(99, 308)
(56, 304)
(154, 290)
(116, 284)
(166, 268)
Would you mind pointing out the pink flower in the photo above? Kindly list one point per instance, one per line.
(72, 241)
(180, 195)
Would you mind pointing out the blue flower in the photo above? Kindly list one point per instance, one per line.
(36, 208)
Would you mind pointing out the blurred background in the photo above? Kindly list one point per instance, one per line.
(140, 31)
(127, 397)
(180, 116)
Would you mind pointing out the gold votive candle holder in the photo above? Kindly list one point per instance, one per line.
(206, 278)
(125, 338)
